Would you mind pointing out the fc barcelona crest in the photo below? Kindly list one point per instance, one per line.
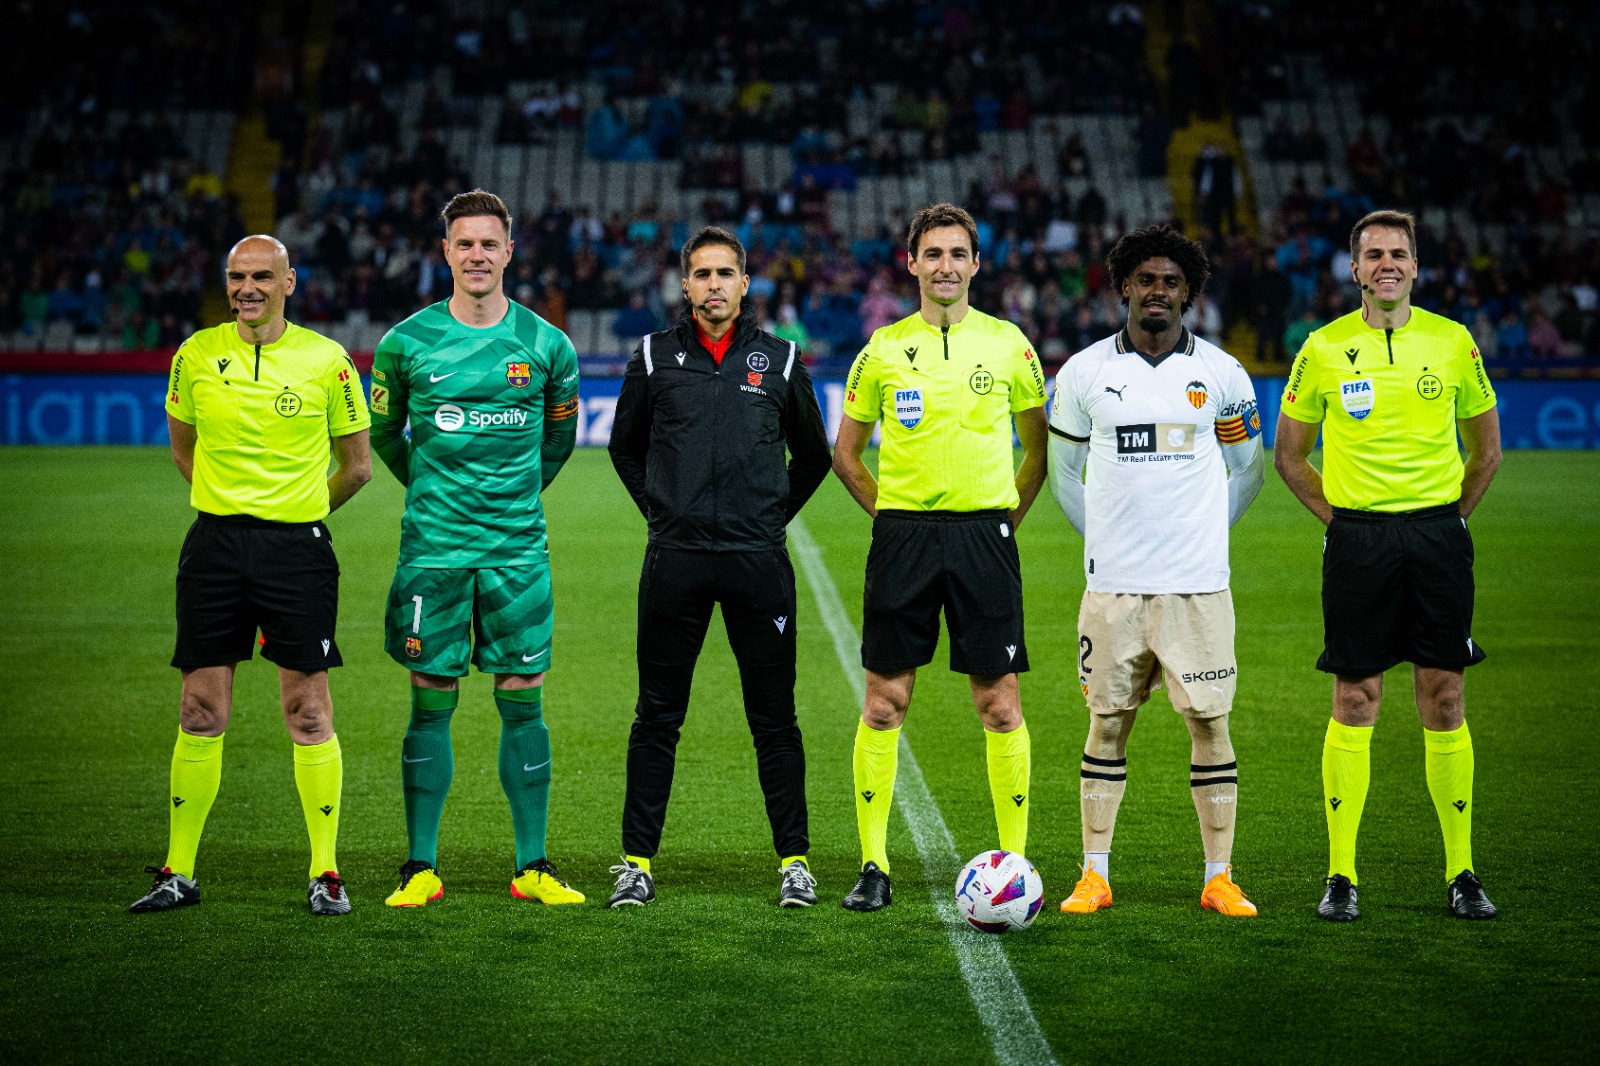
(518, 375)
(1197, 394)
(414, 647)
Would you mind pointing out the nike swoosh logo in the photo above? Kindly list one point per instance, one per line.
(426, 758)
(530, 769)
(529, 658)
(436, 378)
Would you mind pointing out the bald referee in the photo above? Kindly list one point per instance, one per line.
(254, 408)
(1391, 387)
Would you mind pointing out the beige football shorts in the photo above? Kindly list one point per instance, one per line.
(1129, 643)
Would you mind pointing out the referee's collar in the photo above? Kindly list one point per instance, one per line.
(1185, 346)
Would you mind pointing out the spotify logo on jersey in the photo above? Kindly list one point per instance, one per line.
(449, 417)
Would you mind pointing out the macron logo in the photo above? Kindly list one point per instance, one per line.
(1011, 652)
(781, 621)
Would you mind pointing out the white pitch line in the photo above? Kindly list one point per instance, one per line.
(1014, 1032)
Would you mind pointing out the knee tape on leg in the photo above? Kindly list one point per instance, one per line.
(1103, 777)
(1213, 772)
(515, 709)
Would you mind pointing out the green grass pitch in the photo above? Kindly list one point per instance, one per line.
(714, 972)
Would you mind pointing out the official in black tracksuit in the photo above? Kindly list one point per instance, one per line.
(706, 413)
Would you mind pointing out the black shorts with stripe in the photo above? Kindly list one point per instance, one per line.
(1397, 588)
(964, 563)
(237, 574)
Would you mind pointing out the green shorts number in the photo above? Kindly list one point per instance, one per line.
(499, 620)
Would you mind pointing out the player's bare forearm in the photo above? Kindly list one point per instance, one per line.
(1481, 435)
(847, 465)
(353, 455)
(1291, 457)
(1032, 432)
(183, 437)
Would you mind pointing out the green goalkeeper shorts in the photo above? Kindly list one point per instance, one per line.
(499, 620)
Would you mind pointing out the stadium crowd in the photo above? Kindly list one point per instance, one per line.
(112, 231)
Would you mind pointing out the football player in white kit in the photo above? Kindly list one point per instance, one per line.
(1168, 425)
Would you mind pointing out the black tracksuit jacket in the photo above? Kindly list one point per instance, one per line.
(700, 447)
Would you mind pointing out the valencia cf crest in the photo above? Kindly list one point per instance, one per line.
(414, 647)
(1197, 394)
(518, 375)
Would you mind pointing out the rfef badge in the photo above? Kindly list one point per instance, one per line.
(518, 375)
(908, 407)
(1357, 397)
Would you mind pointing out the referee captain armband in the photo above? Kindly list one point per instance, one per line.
(1240, 428)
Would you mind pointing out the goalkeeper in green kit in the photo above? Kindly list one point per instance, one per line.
(491, 393)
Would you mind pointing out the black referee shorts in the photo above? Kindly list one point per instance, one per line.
(1397, 588)
(962, 562)
(237, 574)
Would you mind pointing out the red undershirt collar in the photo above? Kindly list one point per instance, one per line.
(717, 348)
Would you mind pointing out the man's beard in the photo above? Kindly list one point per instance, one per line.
(1151, 324)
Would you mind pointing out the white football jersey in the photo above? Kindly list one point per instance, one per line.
(1156, 491)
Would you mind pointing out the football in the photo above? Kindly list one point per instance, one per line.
(999, 891)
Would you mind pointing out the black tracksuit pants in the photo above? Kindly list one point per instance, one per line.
(677, 590)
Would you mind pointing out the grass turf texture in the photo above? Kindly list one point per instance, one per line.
(713, 972)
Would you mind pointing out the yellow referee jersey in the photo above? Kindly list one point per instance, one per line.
(263, 415)
(945, 397)
(1388, 401)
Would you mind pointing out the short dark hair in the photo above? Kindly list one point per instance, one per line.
(933, 217)
(1159, 241)
(708, 236)
(1389, 220)
(473, 204)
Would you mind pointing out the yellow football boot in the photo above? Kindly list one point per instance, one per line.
(1088, 895)
(539, 881)
(1225, 897)
(419, 886)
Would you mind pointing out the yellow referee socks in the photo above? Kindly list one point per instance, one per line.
(876, 759)
(319, 775)
(1346, 772)
(196, 776)
(1009, 759)
(1449, 764)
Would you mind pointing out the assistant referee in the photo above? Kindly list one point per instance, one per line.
(251, 409)
(946, 383)
(1391, 385)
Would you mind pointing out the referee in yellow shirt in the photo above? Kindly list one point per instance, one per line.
(1391, 385)
(946, 383)
(251, 408)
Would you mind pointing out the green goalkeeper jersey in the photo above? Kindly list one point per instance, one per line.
(492, 414)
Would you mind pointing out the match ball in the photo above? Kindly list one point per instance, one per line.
(999, 891)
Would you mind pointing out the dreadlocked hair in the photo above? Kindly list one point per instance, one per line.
(1159, 241)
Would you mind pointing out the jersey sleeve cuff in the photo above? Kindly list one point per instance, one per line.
(345, 431)
(1064, 435)
(1298, 417)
